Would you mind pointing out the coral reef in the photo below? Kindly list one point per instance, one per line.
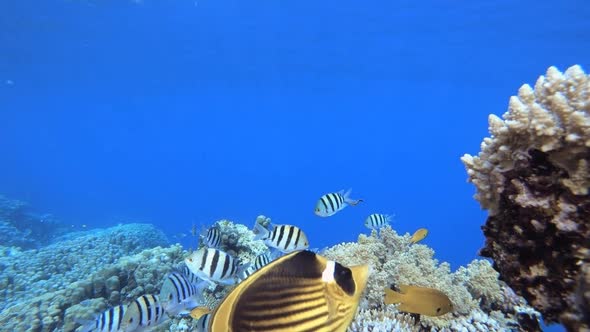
(23, 228)
(532, 175)
(478, 296)
(482, 302)
(43, 283)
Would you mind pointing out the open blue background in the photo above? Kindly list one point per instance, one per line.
(182, 112)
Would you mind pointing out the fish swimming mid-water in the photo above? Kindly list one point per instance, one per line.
(301, 291)
(378, 220)
(285, 238)
(213, 265)
(419, 300)
(212, 238)
(330, 204)
(419, 235)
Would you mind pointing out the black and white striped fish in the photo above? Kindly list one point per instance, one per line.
(192, 278)
(212, 238)
(213, 265)
(203, 323)
(260, 261)
(144, 313)
(329, 204)
(378, 220)
(178, 294)
(108, 321)
(285, 238)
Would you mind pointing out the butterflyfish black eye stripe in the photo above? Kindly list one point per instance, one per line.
(300, 291)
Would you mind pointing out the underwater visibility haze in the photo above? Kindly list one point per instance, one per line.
(130, 125)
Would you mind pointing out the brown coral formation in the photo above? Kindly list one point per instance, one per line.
(532, 175)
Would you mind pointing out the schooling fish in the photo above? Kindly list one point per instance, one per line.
(329, 204)
(186, 272)
(378, 220)
(108, 321)
(260, 261)
(143, 314)
(419, 235)
(212, 238)
(285, 238)
(301, 291)
(419, 300)
(213, 265)
(178, 294)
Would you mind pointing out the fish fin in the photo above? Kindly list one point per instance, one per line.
(404, 288)
(389, 218)
(241, 269)
(199, 312)
(260, 232)
(392, 297)
(348, 200)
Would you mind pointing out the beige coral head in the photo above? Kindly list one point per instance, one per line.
(553, 117)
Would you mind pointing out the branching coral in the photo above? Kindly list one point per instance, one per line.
(533, 176)
(393, 259)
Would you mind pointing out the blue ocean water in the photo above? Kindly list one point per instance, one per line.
(185, 112)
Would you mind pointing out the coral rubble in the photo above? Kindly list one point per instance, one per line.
(533, 176)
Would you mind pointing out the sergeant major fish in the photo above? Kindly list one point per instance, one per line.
(285, 238)
(203, 323)
(108, 321)
(260, 261)
(143, 314)
(212, 238)
(178, 294)
(329, 204)
(213, 265)
(377, 220)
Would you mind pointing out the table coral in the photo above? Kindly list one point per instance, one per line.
(532, 175)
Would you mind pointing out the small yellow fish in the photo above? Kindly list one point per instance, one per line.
(419, 235)
(419, 300)
(197, 312)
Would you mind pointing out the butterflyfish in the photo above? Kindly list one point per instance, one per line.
(419, 235)
(300, 291)
(329, 204)
(419, 300)
(378, 220)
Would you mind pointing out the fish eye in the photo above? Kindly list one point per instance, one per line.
(190, 259)
(437, 310)
(170, 297)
